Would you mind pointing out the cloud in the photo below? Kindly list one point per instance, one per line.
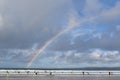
(92, 7)
(105, 56)
(1, 21)
(109, 4)
(118, 27)
(108, 17)
(102, 14)
(94, 57)
(92, 34)
(95, 40)
(1, 4)
(27, 22)
(79, 5)
(16, 57)
(85, 39)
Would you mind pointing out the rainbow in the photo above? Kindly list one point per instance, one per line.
(72, 24)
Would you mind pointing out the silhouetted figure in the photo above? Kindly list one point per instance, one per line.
(18, 72)
(83, 73)
(50, 73)
(27, 72)
(7, 72)
(109, 73)
(36, 73)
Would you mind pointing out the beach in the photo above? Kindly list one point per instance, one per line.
(59, 75)
(63, 77)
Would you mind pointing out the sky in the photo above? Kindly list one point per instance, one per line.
(59, 33)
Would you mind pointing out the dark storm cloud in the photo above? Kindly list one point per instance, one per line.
(26, 22)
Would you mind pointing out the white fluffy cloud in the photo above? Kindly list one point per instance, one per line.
(105, 56)
(90, 57)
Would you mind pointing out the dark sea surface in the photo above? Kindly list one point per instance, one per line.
(84, 68)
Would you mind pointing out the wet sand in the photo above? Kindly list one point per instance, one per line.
(59, 77)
